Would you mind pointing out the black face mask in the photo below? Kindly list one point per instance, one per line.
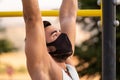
(63, 48)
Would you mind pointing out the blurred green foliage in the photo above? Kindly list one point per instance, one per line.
(6, 46)
(91, 50)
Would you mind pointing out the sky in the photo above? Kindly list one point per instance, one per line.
(16, 5)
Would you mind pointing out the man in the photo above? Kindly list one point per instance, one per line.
(47, 49)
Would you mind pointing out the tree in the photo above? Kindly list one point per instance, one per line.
(91, 50)
(6, 46)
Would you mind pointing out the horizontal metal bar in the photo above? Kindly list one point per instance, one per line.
(92, 12)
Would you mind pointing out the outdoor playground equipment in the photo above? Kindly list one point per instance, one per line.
(107, 13)
(95, 12)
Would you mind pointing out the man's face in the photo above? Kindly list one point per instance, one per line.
(61, 49)
(51, 33)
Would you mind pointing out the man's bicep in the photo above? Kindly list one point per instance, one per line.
(38, 62)
(39, 70)
(34, 51)
(35, 46)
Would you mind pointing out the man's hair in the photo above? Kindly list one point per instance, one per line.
(46, 24)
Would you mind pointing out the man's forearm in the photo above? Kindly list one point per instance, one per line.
(31, 9)
(69, 8)
(68, 14)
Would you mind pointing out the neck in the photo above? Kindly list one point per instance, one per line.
(62, 65)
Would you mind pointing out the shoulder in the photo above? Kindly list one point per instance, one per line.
(72, 71)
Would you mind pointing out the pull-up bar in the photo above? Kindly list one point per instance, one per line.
(93, 12)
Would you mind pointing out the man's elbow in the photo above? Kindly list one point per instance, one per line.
(29, 19)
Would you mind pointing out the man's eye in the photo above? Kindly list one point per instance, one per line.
(59, 30)
(55, 34)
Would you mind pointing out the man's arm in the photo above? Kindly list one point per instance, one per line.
(34, 28)
(68, 14)
(39, 62)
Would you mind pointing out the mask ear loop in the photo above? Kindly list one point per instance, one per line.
(51, 48)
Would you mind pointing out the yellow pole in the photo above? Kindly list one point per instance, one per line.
(87, 12)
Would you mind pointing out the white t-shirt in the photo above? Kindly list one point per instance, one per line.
(72, 71)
